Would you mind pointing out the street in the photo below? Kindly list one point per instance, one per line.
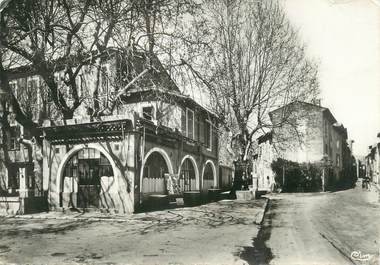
(298, 228)
(214, 233)
(320, 228)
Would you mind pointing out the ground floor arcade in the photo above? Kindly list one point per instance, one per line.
(116, 166)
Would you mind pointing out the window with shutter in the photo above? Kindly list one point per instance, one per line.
(183, 122)
(104, 81)
(202, 132)
(190, 124)
(208, 134)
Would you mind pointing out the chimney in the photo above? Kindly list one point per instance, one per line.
(317, 101)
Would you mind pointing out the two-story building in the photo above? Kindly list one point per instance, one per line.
(116, 162)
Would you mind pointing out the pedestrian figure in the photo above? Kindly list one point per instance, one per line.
(366, 183)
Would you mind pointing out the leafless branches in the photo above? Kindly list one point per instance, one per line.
(255, 65)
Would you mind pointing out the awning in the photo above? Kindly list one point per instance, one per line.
(87, 132)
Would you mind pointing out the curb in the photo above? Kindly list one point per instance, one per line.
(260, 217)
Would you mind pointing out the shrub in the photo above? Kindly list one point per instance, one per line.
(296, 177)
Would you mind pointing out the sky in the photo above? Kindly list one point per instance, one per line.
(343, 36)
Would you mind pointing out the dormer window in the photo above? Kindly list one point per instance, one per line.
(148, 113)
(104, 81)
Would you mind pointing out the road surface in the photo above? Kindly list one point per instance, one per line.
(214, 233)
(319, 228)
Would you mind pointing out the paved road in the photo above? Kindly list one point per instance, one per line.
(319, 228)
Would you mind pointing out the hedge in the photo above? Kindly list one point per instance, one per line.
(297, 177)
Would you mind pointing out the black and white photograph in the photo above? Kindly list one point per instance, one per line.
(190, 132)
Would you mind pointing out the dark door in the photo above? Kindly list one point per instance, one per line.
(88, 167)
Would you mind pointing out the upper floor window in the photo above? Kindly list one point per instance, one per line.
(13, 143)
(148, 112)
(337, 144)
(208, 134)
(13, 87)
(32, 85)
(80, 84)
(58, 80)
(33, 91)
(187, 120)
(104, 81)
(338, 160)
(190, 123)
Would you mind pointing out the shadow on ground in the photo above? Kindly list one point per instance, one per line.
(212, 215)
(20, 227)
(260, 253)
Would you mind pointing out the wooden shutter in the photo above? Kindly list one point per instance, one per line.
(183, 122)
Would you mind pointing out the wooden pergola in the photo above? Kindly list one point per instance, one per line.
(87, 132)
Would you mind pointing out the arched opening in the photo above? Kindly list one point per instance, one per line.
(86, 174)
(208, 176)
(153, 179)
(187, 175)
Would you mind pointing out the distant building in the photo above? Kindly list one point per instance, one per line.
(372, 163)
(306, 133)
(263, 176)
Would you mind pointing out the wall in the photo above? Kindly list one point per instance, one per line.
(14, 159)
(226, 175)
(300, 139)
(262, 166)
(116, 195)
(308, 134)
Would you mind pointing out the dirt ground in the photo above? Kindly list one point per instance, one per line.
(215, 233)
(322, 228)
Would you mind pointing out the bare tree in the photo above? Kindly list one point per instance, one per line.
(49, 37)
(59, 40)
(255, 64)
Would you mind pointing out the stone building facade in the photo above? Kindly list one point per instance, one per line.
(303, 133)
(372, 163)
(263, 175)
